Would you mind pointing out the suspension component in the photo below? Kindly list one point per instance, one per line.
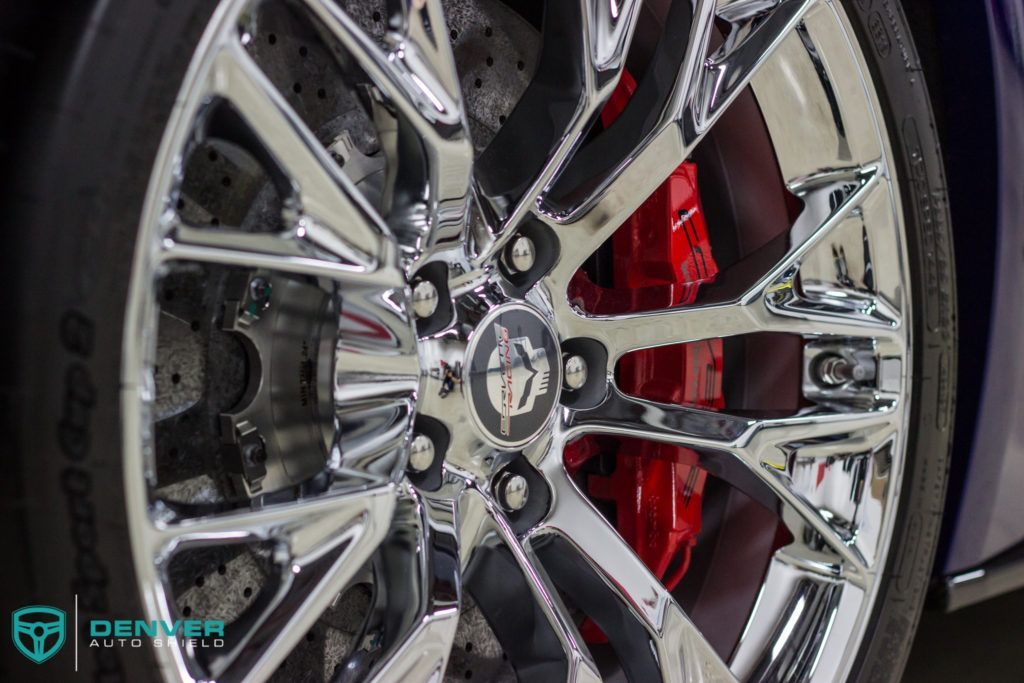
(279, 433)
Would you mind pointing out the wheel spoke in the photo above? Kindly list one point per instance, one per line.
(291, 252)
(327, 210)
(375, 357)
(376, 379)
(421, 563)
(781, 450)
(817, 434)
(376, 376)
(621, 415)
(319, 546)
(415, 71)
(301, 597)
(415, 76)
(682, 651)
(308, 528)
(755, 34)
(581, 233)
(365, 376)
(372, 437)
(482, 525)
(608, 28)
(581, 667)
(829, 198)
(622, 334)
(423, 656)
(702, 88)
(606, 32)
(768, 449)
(606, 37)
(772, 303)
(789, 614)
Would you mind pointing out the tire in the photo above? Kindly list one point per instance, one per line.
(883, 31)
(84, 153)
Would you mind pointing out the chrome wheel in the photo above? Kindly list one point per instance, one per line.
(410, 365)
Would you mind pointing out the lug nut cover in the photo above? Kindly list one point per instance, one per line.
(521, 256)
(421, 453)
(575, 375)
(512, 491)
(424, 299)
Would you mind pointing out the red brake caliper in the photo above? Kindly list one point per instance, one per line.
(661, 256)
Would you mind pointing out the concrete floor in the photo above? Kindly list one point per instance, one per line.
(983, 643)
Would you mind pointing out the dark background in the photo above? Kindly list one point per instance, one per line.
(978, 644)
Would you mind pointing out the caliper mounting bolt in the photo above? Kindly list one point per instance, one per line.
(260, 290)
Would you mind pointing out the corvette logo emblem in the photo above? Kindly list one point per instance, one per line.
(517, 375)
(510, 367)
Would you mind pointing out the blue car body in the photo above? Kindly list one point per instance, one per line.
(983, 546)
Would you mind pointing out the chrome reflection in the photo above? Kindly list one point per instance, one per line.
(831, 471)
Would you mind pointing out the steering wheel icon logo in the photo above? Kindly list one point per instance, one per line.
(38, 631)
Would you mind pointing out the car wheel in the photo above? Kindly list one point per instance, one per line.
(485, 340)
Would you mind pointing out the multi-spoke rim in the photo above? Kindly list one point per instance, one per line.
(832, 471)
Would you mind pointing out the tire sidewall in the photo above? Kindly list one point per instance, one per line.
(87, 159)
(885, 39)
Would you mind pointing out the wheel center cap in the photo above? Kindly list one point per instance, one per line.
(514, 374)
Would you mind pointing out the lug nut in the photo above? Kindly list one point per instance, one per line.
(512, 491)
(421, 453)
(575, 375)
(424, 299)
(520, 255)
